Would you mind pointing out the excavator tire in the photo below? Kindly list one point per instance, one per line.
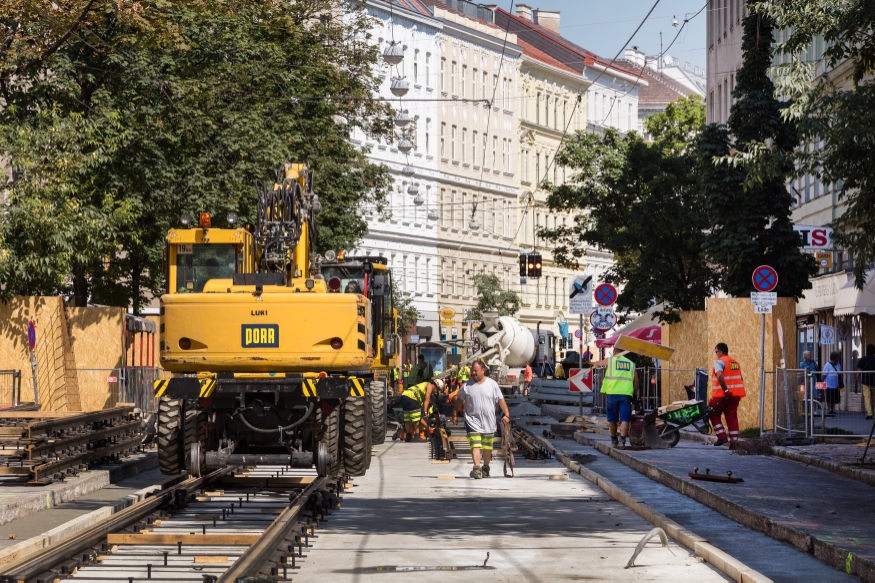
(379, 412)
(193, 431)
(170, 436)
(356, 436)
(331, 437)
(369, 449)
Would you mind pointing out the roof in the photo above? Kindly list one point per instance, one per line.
(449, 8)
(660, 88)
(538, 55)
(413, 5)
(573, 56)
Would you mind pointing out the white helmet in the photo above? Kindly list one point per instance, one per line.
(439, 383)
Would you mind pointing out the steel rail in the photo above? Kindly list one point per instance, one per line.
(29, 568)
(254, 559)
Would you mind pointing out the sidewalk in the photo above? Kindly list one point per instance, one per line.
(809, 508)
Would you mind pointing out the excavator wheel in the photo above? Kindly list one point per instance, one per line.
(379, 412)
(356, 436)
(193, 431)
(331, 439)
(369, 449)
(170, 436)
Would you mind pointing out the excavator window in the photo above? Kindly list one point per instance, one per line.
(197, 264)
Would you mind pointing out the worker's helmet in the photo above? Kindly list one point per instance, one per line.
(439, 383)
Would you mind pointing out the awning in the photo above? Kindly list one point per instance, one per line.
(851, 301)
(649, 333)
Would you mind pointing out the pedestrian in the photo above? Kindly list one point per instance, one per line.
(619, 385)
(809, 365)
(527, 380)
(866, 365)
(833, 378)
(727, 389)
(479, 396)
(416, 403)
(423, 371)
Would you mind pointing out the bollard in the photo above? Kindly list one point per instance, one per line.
(148, 571)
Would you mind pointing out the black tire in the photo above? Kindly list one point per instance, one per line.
(369, 448)
(169, 436)
(193, 431)
(379, 412)
(331, 437)
(356, 436)
(669, 433)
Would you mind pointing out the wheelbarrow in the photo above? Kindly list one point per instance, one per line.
(659, 431)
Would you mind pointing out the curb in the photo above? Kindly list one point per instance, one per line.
(729, 565)
(799, 540)
(848, 472)
(28, 548)
(26, 504)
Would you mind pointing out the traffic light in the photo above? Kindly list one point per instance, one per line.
(535, 265)
(524, 271)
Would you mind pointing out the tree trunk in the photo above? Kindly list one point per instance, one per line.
(80, 286)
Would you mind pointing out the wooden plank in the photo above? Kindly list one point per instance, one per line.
(154, 538)
(37, 414)
(280, 481)
(210, 560)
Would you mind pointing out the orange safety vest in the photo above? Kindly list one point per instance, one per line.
(731, 376)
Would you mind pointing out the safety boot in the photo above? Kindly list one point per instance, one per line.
(720, 442)
(476, 473)
(615, 441)
(485, 471)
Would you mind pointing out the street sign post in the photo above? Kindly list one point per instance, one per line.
(31, 342)
(605, 294)
(764, 279)
(580, 302)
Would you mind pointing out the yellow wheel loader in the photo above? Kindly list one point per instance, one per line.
(264, 352)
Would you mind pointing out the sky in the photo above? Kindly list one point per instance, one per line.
(603, 26)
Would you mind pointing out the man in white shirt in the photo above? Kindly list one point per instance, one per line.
(479, 397)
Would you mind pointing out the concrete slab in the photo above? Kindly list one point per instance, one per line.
(812, 509)
(401, 522)
(18, 500)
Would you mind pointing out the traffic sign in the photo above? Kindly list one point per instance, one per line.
(577, 333)
(765, 278)
(605, 294)
(580, 383)
(31, 335)
(604, 310)
(603, 321)
(580, 295)
(762, 308)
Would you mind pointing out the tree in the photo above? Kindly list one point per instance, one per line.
(749, 212)
(408, 315)
(184, 120)
(832, 106)
(642, 202)
(492, 298)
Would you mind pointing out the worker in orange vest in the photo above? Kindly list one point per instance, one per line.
(727, 389)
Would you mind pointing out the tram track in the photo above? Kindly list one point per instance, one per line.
(250, 526)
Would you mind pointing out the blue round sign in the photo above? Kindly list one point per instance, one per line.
(765, 278)
(31, 335)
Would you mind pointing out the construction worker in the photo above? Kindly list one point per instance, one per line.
(727, 389)
(527, 379)
(422, 371)
(619, 385)
(416, 402)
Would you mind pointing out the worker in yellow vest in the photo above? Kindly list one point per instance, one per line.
(727, 389)
(416, 400)
(619, 386)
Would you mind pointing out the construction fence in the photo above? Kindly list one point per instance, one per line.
(105, 388)
(10, 388)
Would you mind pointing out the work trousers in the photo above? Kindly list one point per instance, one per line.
(726, 407)
(868, 397)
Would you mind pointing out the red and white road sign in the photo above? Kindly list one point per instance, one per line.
(580, 380)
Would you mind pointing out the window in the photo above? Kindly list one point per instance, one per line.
(483, 86)
(453, 143)
(464, 145)
(555, 174)
(525, 165)
(428, 69)
(416, 66)
(474, 84)
(538, 108)
(494, 148)
(547, 111)
(464, 212)
(537, 169)
(443, 149)
(441, 208)
(494, 226)
(464, 80)
(428, 136)
(537, 227)
(564, 114)
(453, 78)
(484, 149)
(555, 113)
(416, 274)
(443, 74)
(453, 211)
(454, 279)
(474, 148)
(525, 112)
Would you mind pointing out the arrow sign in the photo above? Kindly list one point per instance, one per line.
(605, 294)
(765, 278)
(580, 380)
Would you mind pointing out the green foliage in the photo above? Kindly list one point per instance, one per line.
(747, 201)
(642, 202)
(834, 109)
(492, 298)
(408, 315)
(181, 109)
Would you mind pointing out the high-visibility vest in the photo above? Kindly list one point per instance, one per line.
(619, 377)
(731, 376)
(464, 373)
(416, 392)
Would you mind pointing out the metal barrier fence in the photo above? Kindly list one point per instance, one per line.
(104, 388)
(653, 383)
(10, 388)
(823, 404)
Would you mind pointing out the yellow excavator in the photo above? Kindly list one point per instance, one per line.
(272, 360)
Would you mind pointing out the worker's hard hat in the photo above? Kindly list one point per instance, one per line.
(439, 383)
